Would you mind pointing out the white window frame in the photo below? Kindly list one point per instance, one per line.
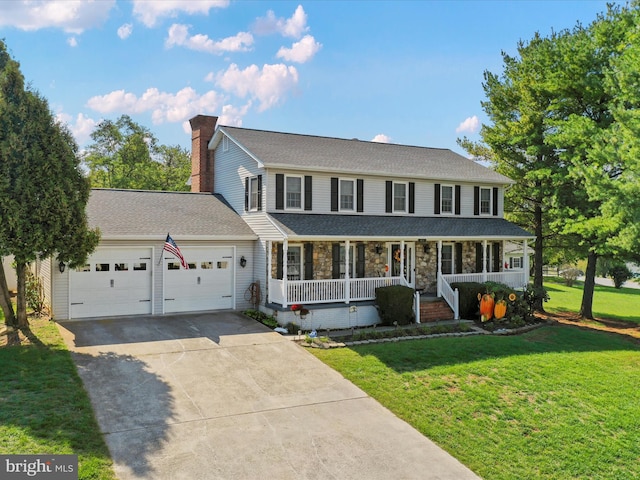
(253, 192)
(225, 143)
(352, 261)
(286, 192)
(353, 195)
(453, 258)
(300, 274)
(490, 201)
(453, 200)
(406, 195)
(517, 263)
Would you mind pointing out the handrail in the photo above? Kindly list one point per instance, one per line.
(452, 297)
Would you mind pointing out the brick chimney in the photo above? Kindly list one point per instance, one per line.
(202, 128)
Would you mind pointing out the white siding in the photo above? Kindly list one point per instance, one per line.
(374, 195)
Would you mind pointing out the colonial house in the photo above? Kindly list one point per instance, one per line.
(279, 219)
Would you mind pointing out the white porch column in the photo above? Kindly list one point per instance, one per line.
(285, 287)
(525, 262)
(484, 260)
(347, 273)
(439, 269)
(269, 247)
(402, 275)
(504, 255)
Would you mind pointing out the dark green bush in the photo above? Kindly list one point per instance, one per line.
(468, 294)
(395, 304)
(620, 274)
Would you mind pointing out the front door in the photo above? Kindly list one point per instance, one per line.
(408, 268)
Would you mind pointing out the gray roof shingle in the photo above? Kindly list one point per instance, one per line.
(308, 152)
(144, 214)
(371, 226)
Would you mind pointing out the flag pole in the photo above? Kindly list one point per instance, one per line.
(162, 250)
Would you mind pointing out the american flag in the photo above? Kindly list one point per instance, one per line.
(171, 247)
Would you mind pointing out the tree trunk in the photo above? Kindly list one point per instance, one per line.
(586, 309)
(5, 300)
(21, 272)
(537, 257)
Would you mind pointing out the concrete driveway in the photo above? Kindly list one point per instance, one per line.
(213, 396)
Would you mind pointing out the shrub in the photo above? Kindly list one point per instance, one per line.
(620, 274)
(34, 294)
(395, 304)
(570, 275)
(468, 296)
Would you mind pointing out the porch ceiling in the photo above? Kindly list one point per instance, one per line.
(406, 227)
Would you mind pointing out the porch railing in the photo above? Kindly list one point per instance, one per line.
(514, 279)
(328, 291)
(451, 296)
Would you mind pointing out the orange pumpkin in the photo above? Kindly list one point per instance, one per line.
(500, 309)
(486, 306)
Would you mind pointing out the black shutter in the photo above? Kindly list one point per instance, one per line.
(495, 201)
(389, 197)
(360, 249)
(458, 258)
(412, 197)
(246, 194)
(279, 261)
(279, 191)
(476, 200)
(360, 195)
(308, 192)
(497, 260)
(308, 261)
(259, 192)
(334, 194)
(458, 199)
(436, 199)
(478, 257)
(335, 255)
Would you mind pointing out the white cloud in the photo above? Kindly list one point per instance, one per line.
(72, 16)
(470, 124)
(300, 52)
(269, 85)
(125, 31)
(179, 35)
(292, 27)
(232, 116)
(149, 11)
(81, 128)
(164, 107)
(381, 138)
(72, 41)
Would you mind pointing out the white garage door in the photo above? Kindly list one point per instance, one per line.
(115, 281)
(206, 285)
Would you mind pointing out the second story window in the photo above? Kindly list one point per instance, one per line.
(253, 194)
(347, 194)
(293, 188)
(446, 199)
(399, 197)
(485, 201)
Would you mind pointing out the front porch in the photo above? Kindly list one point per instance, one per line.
(318, 273)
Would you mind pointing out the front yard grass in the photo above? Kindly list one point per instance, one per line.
(558, 402)
(44, 408)
(608, 302)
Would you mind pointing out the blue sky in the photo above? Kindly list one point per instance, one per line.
(405, 72)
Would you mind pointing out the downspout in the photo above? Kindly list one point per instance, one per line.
(347, 289)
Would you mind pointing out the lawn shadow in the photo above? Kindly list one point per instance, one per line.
(410, 356)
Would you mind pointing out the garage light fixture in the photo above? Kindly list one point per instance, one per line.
(61, 267)
(243, 261)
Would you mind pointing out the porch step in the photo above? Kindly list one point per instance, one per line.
(434, 310)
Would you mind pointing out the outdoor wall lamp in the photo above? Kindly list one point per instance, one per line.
(243, 261)
(426, 248)
(61, 267)
(378, 249)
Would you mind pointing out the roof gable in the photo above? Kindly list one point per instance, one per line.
(313, 153)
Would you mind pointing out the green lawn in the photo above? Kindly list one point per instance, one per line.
(608, 302)
(43, 406)
(555, 403)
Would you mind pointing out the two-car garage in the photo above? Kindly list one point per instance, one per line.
(119, 281)
(131, 274)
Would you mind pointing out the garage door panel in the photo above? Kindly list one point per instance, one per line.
(206, 285)
(115, 281)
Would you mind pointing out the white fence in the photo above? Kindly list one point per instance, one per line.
(515, 279)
